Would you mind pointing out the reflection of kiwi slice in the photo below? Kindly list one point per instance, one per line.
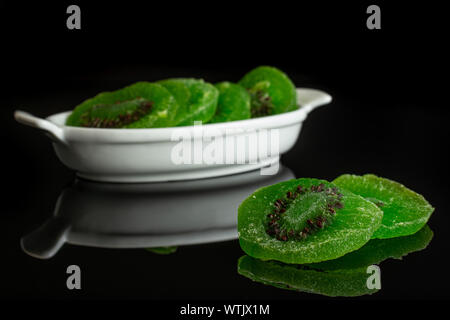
(271, 91)
(141, 105)
(202, 102)
(234, 103)
(163, 250)
(378, 250)
(348, 283)
(405, 212)
(305, 221)
(345, 276)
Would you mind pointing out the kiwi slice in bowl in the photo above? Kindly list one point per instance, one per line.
(141, 105)
(181, 93)
(233, 104)
(202, 102)
(304, 221)
(271, 91)
(405, 211)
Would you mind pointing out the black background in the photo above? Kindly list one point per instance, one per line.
(389, 116)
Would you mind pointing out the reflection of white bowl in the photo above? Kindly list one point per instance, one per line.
(144, 155)
(143, 215)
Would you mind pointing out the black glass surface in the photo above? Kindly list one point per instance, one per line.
(389, 117)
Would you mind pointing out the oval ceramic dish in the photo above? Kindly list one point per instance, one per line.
(156, 154)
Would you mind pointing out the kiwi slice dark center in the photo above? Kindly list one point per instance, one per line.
(116, 115)
(303, 211)
(260, 100)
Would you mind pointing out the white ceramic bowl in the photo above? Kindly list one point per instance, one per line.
(147, 155)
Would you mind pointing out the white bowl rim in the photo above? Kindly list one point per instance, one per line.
(208, 130)
(308, 99)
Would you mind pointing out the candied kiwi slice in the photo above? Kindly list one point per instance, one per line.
(233, 104)
(202, 103)
(348, 283)
(271, 91)
(305, 220)
(181, 93)
(140, 105)
(117, 115)
(405, 211)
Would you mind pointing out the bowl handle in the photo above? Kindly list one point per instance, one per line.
(52, 129)
(310, 99)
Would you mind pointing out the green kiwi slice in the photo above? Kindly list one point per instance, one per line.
(405, 211)
(181, 93)
(348, 283)
(377, 250)
(305, 220)
(202, 102)
(163, 250)
(233, 104)
(271, 91)
(141, 105)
